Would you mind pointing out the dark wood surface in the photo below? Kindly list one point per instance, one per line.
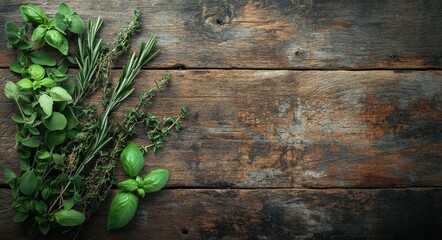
(350, 150)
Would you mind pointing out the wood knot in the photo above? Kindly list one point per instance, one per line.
(394, 57)
(217, 17)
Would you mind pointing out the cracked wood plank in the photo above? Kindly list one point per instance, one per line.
(315, 129)
(266, 34)
(268, 214)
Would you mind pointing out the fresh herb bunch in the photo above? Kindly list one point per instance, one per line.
(66, 149)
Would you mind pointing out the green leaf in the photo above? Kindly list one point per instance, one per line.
(25, 45)
(155, 180)
(46, 103)
(59, 94)
(11, 27)
(18, 119)
(33, 14)
(58, 159)
(37, 72)
(34, 131)
(28, 183)
(54, 138)
(69, 218)
(38, 33)
(9, 174)
(63, 66)
(13, 37)
(20, 217)
(43, 154)
(24, 85)
(141, 192)
(11, 91)
(77, 24)
(47, 82)
(59, 21)
(55, 39)
(44, 227)
(128, 185)
(42, 58)
(36, 84)
(46, 193)
(57, 121)
(132, 160)
(64, 9)
(122, 210)
(16, 67)
(69, 203)
(41, 207)
(32, 142)
(72, 119)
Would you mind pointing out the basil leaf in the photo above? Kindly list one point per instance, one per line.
(63, 66)
(20, 217)
(42, 58)
(59, 94)
(16, 67)
(46, 103)
(47, 82)
(24, 85)
(69, 218)
(77, 24)
(155, 180)
(9, 174)
(44, 227)
(28, 182)
(132, 160)
(72, 119)
(33, 14)
(11, 27)
(31, 142)
(58, 159)
(69, 203)
(59, 20)
(38, 33)
(11, 91)
(43, 154)
(37, 72)
(36, 84)
(18, 119)
(141, 192)
(122, 210)
(54, 138)
(128, 185)
(55, 39)
(64, 9)
(57, 121)
(13, 37)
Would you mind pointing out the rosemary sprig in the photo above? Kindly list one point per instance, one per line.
(88, 59)
(123, 89)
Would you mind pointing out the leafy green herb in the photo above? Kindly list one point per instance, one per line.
(66, 150)
(122, 210)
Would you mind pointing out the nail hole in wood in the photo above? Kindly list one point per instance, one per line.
(184, 231)
(298, 53)
(394, 57)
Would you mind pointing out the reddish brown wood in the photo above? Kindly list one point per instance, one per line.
(293, 129)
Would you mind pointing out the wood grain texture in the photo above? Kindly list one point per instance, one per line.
(315, 129)
(269, 214)
(271, 34)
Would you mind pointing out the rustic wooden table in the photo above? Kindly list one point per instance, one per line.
(309, 119)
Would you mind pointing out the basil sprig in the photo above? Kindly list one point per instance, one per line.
(125, 202)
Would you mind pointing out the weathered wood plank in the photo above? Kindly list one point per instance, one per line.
(272, 34)
(269, 214)
(293, 128)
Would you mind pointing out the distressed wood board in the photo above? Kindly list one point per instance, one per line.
(270, 214)
(317, 129)
(309, 119)
(271, 34)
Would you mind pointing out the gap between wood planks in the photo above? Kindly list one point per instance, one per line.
(182, 67)
(5, 186)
